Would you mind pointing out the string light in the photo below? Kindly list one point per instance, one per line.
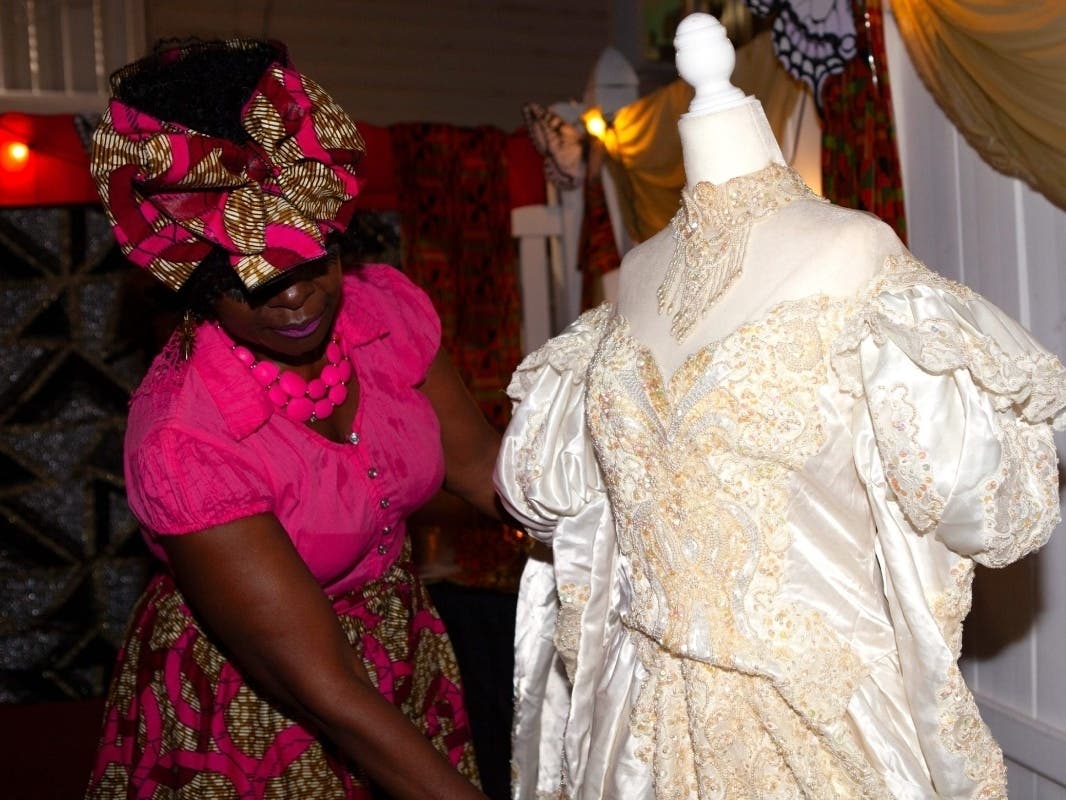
(13, 155)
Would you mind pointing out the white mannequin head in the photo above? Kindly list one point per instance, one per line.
(705, 59)
(724, 134)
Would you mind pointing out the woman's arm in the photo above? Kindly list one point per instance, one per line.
(252, 591)
(470, 443)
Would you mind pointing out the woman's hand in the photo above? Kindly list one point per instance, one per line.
(255, 596)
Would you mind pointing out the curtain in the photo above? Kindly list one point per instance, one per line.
(597, 251)
(454, 206)
(998, 69)
(860, 162)
(645, 158)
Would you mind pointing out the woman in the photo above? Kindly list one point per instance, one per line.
(272, 454)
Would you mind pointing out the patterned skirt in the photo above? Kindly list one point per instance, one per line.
(180, 721)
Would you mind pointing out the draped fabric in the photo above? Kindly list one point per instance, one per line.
(996, 68)
(454, 205)
(645, 147)
(645, 158)
(597, 251)
(860, 162)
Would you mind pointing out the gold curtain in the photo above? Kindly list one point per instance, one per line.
(644, 152)
(645, 149)
(998, 69)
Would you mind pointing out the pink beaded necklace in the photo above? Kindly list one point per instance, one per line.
(299, 399)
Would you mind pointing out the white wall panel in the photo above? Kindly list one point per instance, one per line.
(930, 169)
(1046, 790)
(989, 230)
(1021, 783)
(464, 62)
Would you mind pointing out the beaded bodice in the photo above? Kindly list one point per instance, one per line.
(700, 470)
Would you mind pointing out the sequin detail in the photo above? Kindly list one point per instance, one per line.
(711, 234)
(698, 470)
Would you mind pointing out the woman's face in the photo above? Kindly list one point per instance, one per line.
(291, 318)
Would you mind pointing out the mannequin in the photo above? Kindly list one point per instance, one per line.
(807, 248)
(766, 476)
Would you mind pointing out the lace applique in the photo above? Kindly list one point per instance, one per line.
(572, 601)
(951, 606)
(743, 739)
(908, 467)
(698, 469)
(528, 460)
(569, 352)
(167, 371)
(898, 273)
(566, 354)
(1021, 500)
(711, 234)
(964, 733)
(1032, 380)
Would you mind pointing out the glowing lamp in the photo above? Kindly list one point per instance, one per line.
(595, 124)
(14, 155)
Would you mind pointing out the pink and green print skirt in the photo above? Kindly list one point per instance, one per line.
(181, 722)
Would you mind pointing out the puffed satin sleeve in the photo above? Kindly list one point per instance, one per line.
(953, 440)
(548, 478)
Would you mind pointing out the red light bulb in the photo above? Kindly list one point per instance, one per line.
(14, 155)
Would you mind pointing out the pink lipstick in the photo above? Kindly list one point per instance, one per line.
(300, 331)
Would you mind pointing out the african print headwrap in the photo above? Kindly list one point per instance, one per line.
(172, 194)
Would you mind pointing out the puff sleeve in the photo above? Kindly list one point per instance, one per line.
(406, 312)
(953, 441)
(548, 477)
(955, 434)
(180, 482)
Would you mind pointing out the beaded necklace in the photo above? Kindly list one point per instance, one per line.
(300, 399)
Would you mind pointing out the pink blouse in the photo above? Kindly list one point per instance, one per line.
(204, 445)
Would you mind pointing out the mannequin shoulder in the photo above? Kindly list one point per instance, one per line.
(649, 252)
(831, 245)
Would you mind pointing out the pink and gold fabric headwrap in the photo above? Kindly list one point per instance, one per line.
(172, 193)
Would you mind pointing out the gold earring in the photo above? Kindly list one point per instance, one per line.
(187, 335)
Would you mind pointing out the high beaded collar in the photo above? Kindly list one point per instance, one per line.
(710, 237)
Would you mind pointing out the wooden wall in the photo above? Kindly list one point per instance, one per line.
(1009, 243)
(465, 62)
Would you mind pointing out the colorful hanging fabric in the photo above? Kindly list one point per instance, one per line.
(838, 49)
(454, 207)
(860, 162)
(813, 40)
(597, 251)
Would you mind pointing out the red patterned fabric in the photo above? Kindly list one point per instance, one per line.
(860, 163)
(173, 194)
(597, 251)
(181, 722)
(454, 205)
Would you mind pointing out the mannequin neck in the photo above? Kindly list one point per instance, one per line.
(727, 144)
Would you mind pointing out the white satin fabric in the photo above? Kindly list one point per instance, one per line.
(762, 563)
